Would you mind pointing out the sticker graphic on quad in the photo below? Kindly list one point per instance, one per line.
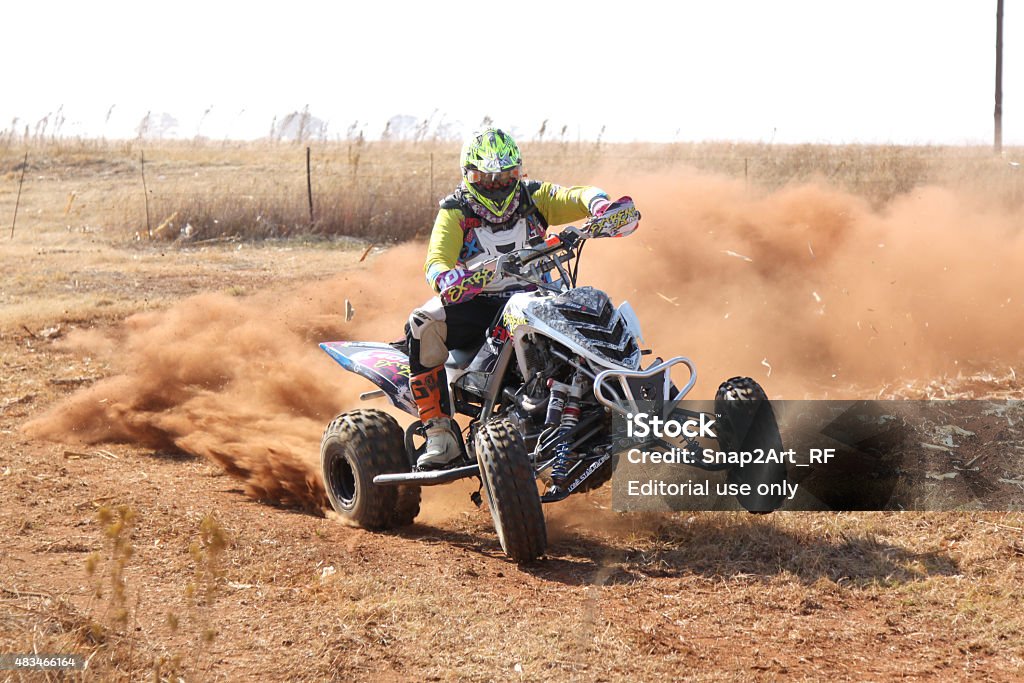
(382, 364)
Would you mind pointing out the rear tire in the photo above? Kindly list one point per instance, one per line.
(746, 422)
(356, 447)
(508, 479)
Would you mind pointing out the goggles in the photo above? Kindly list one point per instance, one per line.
(490, 181)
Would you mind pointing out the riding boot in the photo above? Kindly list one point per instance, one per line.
(430, 391)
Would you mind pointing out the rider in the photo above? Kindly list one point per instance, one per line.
(495, 210)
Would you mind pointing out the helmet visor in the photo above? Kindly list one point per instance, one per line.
(493, 181)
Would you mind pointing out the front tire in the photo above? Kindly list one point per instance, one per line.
(508, 479)
(356, 447)
(406, 507)
(747, 423)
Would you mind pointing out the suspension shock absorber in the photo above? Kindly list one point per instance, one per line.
(569, 418)
(556, 404)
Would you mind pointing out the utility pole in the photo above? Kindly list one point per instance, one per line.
(998, 145)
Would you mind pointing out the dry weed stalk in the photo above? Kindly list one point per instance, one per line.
(207, 552)
(117, 524)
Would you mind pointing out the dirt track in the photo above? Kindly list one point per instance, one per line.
(296, 596)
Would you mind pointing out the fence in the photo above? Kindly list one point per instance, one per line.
(388, 191)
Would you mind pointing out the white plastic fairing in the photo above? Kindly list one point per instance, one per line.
(632, 321)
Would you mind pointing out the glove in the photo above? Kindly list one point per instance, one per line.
(613, 219)
(461, 284)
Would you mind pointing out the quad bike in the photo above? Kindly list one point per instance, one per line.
(539, 395)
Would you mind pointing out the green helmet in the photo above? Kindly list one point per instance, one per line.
(491, 167)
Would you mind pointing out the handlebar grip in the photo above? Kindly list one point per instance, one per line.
(532, 256)
(550, 244)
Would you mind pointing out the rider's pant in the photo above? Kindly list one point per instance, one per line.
(434, 329)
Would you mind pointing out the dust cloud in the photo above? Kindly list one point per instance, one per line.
(237, 380)
(813, 292)
(807, 289)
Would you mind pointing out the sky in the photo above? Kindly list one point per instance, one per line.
(786, 71)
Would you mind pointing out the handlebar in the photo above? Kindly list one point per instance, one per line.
(515, 264)
(567, 239)
(618, 219)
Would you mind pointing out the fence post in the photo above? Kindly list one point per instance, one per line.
(998, 143)
(17, 202)
(309, 186)
(145, 191)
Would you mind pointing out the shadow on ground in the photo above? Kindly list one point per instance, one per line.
(715, 545)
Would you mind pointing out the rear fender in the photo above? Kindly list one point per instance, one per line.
(382, 364)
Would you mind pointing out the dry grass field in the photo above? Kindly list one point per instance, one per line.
(163, 399)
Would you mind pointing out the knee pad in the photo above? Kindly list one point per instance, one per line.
(431, 335)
